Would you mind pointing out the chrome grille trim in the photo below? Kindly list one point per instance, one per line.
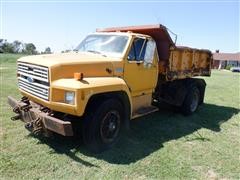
(39, 84)
(34, 88)
(36, 72)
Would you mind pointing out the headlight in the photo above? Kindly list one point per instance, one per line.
(69, 97)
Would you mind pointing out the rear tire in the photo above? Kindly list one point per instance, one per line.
(102, 125)
(191, 101)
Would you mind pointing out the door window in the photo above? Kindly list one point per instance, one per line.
(142, 50)
(137, 50)
(149, 51)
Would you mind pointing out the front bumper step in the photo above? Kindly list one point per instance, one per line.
(36, 120)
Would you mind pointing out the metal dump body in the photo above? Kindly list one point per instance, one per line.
(175, 62)
(187, 62)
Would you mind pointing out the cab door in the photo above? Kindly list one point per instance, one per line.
(140, 68)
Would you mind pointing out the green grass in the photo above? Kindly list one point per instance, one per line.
(163, 145)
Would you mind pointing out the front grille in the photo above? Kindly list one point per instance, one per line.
(34, 79)
(36, 72)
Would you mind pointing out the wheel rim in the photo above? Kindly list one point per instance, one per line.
(110, 126)
(195, 101)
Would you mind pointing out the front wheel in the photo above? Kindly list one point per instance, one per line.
(191, 101)
(102, 125)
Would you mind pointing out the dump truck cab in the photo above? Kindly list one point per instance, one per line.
(113, 76)
(87, 72)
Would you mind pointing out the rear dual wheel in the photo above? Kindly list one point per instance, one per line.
(191, 101)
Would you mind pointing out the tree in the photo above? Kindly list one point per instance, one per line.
(18, 46)
(65, 51)
(47, 50)
(6, 47)
(1, 45)
(30, 48)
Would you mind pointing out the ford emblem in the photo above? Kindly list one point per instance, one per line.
(30, 80)
(44, 91)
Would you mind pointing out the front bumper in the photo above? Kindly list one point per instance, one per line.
(37, 119)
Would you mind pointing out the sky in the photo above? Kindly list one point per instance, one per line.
(62, 24)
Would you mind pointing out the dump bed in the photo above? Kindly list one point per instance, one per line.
(186, 62)
(175, 62)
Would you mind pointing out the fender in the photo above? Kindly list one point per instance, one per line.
(86, 88)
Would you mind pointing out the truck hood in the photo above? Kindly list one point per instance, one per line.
(50, 60)
(66, 64)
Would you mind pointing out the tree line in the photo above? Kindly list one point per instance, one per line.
(19, 47)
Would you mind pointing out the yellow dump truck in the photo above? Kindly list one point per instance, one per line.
(113, 76)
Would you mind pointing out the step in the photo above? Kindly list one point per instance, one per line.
(144, 111)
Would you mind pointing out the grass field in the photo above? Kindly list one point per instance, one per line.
(163, 145)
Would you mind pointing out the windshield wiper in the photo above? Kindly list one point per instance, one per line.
(96, 52)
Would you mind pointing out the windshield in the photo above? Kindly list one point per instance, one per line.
(105, 44)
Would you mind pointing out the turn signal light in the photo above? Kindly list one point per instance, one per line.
(78, 76)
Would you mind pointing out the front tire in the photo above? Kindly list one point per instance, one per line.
(102, 125)
(191, 101)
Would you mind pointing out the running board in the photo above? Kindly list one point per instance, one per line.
(144, 111)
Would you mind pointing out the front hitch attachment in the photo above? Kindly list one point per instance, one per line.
(16, 110)
(37, 126)
(29, 126)
(26, 108)
(25, 100)
(17, 117)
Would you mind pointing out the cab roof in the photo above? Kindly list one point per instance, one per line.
(122, 33)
